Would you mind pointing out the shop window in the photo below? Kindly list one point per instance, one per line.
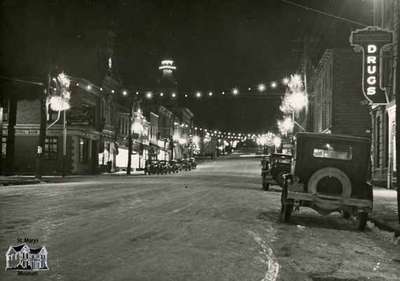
(378, 142)
(386, 140)
(5, 106)
(83, 150)
(3, 146)
(51, 148)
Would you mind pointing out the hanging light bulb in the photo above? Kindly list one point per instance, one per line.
(149, 95)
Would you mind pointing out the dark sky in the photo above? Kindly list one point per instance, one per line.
(216, 45)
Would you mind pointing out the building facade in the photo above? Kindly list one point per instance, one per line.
(336, 99)
(387, 16)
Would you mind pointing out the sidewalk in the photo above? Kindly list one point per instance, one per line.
(24, 180)
(384, 213)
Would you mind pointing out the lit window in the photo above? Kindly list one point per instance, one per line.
(3, 146)
(51, 147)
(83, 150)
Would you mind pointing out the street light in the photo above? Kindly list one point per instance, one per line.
(285, 80)
(277, 142)
(149, 95)
(261, 87)
(286, 125)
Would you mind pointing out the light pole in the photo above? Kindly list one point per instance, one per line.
(129, 165)
(59, 101)
(64, 164)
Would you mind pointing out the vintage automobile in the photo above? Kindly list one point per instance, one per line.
(329, 173)
(186, 165)
(152, 167)
(192, 162)
(273, 168)
(164, 166)
(174, 166)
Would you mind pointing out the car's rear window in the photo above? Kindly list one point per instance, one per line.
(333, 151)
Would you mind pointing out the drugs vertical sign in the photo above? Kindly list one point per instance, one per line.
(371, 41)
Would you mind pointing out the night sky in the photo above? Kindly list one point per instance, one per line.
(216, 45)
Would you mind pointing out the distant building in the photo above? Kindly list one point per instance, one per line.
(336, 99)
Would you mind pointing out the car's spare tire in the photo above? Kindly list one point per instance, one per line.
(330, 181)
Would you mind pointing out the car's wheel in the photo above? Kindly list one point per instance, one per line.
(265, 186)
(331, 181)
(362, 220)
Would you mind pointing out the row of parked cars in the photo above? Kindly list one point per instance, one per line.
(160, 167)
(328, 173)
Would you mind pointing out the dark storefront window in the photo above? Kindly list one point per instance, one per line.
(51, 148)
(378, 142)
(83, 150)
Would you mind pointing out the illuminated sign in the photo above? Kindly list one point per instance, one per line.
(371, 41)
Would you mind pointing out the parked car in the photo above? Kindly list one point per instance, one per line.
(273, 168)
(193, 163)
(152, 167)
(186, 164)
(180, 164)
(329, 173)
(174, 166)
(164, 166)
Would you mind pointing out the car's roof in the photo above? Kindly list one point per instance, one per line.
(331, 137)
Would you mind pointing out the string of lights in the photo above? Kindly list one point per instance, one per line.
(256, 90)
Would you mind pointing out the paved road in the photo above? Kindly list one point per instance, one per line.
(213, 223)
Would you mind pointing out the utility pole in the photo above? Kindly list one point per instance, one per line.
(42, 128)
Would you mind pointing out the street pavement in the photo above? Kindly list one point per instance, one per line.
(212, 223)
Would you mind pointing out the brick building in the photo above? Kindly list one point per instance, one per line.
(336, 100)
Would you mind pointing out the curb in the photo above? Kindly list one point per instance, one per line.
(20, 182)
